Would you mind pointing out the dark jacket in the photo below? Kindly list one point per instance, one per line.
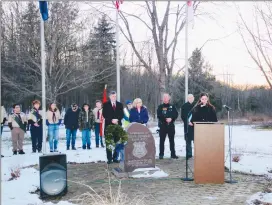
(140, 117)
(186, 111)
(109, 114)
(82, 120)
(166, 111)
(71, 119)
(204, 114)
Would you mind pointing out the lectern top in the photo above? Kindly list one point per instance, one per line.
(218, 123)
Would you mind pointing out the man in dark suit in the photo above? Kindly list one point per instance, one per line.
(113, 113)
(186, 111)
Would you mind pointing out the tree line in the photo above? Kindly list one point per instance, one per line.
(79, 65)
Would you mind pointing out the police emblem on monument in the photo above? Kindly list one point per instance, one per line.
(139, 149)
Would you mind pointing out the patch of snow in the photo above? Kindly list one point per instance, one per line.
(254, 147)
(263, 197)
(148, 174)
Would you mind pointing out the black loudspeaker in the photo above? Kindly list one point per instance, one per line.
(53, 175)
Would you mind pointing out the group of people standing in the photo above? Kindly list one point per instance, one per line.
(114, 113)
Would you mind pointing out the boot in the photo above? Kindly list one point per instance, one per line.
(21, 152)
(84, 147)
(14, 152)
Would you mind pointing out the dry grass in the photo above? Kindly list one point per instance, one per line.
(236, 158)
(107, 197)
(14, 173)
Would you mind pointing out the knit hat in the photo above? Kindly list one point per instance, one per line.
(128, 102)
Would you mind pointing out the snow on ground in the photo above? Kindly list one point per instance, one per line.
(263, 197)
(253, 146)
(149, 173)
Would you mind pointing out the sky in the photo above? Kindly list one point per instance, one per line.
(227, 54)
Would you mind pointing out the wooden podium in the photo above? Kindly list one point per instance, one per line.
(209, 151)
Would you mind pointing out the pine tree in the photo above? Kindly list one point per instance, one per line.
(101, 47)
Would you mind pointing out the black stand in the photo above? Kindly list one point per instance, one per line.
(230, 181)
(187, 179)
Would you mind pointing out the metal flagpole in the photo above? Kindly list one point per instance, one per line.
(43, 86)
(186, 53)
(117, 56)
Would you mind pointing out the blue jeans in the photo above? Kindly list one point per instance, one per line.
(86, 138)
(97, 134)
(119, 148)
(68, 137)
(53, 134)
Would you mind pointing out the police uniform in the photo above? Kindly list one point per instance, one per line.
(167, 111)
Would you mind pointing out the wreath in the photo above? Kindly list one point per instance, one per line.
(115, 134)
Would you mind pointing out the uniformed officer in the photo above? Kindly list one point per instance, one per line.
(167, 114)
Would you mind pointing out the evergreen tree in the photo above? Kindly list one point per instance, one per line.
(102, 52)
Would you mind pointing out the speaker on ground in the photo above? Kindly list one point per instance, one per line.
(53, 175)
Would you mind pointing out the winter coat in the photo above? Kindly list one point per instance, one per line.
(166, 111)
(140, 117)
(204, 114)
(71, 119)
(50, 120)
(34, 116)
(86, 120)
(95, 111)
(3, 115)
(186, 111)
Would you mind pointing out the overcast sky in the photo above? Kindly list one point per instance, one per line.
(227, 55)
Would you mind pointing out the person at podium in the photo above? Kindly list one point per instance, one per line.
(204, 111)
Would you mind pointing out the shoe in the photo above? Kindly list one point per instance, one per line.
(84, 147)
(2, 155)
(160, 157)
(68, 148)
(73, 148)
(189, 156)
(116, 161)
(33, 151)
(40, 151)
(174, 157)
(21, 152)
(102, 146)
(109, 162)
(51, 151)
(89, 147)
(56, 150)
(14, 152)
(97, 146)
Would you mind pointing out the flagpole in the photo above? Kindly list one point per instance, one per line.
(43, 86)
(186, 53)
(117, 56)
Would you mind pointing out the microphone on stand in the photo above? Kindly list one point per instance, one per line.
(227, 107)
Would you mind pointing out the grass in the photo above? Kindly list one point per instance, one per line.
(106, 197)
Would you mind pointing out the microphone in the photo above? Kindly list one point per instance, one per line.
(227, 107)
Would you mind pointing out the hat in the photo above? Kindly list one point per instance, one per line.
(128, 102)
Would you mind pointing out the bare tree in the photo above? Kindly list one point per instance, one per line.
(259, 45)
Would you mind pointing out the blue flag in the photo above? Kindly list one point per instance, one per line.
(44, 10)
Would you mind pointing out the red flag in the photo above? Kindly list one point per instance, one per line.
(117, 4)
(102, 124)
